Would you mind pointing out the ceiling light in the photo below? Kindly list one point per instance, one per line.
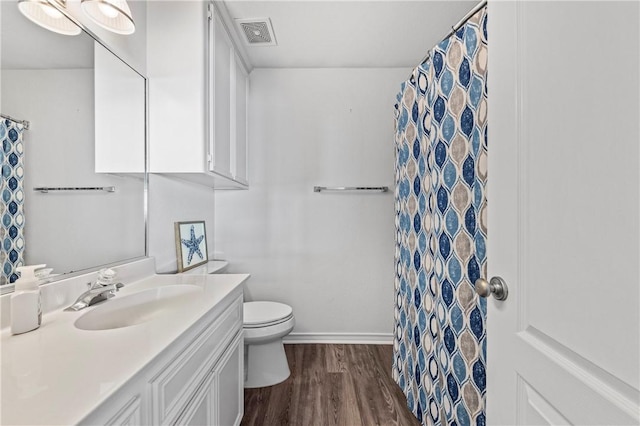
(45, 14)
(113, 15)
(52, 11)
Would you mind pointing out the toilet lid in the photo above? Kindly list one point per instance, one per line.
(260, 313)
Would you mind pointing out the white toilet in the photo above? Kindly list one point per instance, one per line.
(265, 324)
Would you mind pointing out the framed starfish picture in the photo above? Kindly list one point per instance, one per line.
(191, 244)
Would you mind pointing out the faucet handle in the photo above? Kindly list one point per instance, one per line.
(106, 276)
(112, 289)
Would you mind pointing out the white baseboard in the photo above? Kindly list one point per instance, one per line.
(346, 338)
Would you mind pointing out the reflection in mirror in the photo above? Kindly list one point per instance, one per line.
(86, 129)
(119, 103)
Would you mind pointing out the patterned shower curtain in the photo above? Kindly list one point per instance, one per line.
(12, 227)
(441, 171)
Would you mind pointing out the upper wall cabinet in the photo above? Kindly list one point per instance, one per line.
(239, 152)
(198, 91)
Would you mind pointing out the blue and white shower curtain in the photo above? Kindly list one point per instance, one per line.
(12, 226)
(441, 172)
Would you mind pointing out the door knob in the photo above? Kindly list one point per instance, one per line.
(495, 286)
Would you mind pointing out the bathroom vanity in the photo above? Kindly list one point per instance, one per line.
(167, 349)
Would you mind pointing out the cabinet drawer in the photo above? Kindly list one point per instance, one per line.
(175, 384)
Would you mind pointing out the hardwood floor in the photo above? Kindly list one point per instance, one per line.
(331, 384)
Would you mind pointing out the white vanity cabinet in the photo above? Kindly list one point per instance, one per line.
(168, 349)
(216, 401)
(198, 380)
(129, 415)
(198, 90)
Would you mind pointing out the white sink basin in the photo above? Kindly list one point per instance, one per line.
(136, 308)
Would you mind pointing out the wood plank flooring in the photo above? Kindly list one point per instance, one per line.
(331, 384)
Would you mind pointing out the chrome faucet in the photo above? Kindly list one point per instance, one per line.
(103, 289)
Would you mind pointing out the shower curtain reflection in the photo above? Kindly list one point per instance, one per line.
(441, 171)
(12, 227)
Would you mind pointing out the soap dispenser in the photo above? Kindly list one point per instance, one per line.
(26, 304)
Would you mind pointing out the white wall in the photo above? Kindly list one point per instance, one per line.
(172, 200)
(169, 200)
(70, 230)
(328, 255)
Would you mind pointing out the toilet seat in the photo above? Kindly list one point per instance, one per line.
(265, 314)
(254, 335)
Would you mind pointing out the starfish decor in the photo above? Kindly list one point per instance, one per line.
(193, 244)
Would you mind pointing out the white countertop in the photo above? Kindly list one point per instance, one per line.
(211, 267)
(58, 374)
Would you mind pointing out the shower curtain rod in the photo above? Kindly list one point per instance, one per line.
(456, 27)
(25, 123)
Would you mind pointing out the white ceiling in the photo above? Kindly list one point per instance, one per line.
(327, 34)
(310, 34)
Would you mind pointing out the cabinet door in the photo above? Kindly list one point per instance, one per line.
(124, 409)
(230, 384)
(172, 388)
(177, 72)
(219, 400)
(222, 55)
(240, 136)
(201, 409)
(130, 415)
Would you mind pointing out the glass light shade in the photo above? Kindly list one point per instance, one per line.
(41, 12)
(113, 15)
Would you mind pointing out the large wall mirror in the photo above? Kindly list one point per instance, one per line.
(85, 142)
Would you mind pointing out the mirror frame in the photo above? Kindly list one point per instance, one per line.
(9, 288)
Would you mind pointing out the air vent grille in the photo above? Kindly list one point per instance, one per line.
(257, 32)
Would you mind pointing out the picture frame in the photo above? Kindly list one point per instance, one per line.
(191, 244)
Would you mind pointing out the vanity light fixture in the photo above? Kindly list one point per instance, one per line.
(43, 13)
(113, 15)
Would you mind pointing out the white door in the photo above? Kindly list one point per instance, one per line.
(564, 201)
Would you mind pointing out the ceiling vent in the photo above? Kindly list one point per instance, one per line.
(257, 31)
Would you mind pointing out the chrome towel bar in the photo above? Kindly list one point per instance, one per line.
(350, 188)
(25, 123)
(45, 189)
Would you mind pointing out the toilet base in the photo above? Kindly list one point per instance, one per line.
(265, 364)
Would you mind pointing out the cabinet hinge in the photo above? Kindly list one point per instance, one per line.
(209, 12)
